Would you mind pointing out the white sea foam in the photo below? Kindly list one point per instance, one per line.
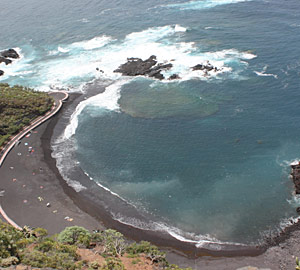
(202, 4)
(179, 28)
(107, 100)
(264, 74)
(62, 50)
(94, 43)
(65, 162)
(200, 241)
(84, 20)
(71, 66)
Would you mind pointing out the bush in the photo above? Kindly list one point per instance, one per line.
(112, 264)
(40, 232)
(47, 245)
(113, 243)
(175, 267)
(51, 254)
(9, 261)
(297, 264)
(152, 252)
(10, 241)
(94, 265)
(75, 235)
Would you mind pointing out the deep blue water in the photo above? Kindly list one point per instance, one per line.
(205, 157)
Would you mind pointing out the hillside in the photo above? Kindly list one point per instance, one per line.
(77, 248)
(18, 106)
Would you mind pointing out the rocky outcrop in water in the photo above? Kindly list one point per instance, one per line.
(6, 56)
(5, 60)
(296, 176)
(10, 53)
(207, 67)
(148, 67)
(174, 77)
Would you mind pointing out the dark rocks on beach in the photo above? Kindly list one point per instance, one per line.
(296, 177)
(10, 53)
(149, 67)
(1, 72)
(298, 210)
(5, 60)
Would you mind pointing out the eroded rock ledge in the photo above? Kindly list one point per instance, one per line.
(296, 176)
(7, 56)
(151, 68)
(148, 67)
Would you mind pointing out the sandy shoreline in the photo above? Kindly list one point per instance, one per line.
(31, 180)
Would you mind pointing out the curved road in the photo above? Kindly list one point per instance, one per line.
(59, 98)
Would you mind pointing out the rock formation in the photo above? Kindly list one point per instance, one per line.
(174, 77)
(6, 56)
(207, 67)
(148, 67)
(10, 53)
(5, 60)
(296, 176)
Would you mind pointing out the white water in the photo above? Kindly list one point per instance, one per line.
(203, 4)
(70, 66)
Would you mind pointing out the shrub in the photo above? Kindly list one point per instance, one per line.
(49, 254)
(94, 265)
(9, 261)
(113, 243)
(112, 264)
(75, 235)
(46, 245)
(40, 232)
(10, 241)
(175, 267)
(152, 252)
(297, 264)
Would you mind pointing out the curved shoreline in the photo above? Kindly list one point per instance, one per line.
(87, 205)
(92, 203)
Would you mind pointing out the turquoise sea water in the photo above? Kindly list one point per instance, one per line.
(204, 158)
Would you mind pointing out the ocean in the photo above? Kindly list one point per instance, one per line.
(205, 157)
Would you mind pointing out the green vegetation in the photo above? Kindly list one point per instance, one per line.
(75, 235)
(34, 248)
(297, 264)
(18, 107)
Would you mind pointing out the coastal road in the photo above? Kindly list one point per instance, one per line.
(59, 98)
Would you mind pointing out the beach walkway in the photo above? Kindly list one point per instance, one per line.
(59, 98)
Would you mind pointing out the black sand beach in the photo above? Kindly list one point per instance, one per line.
(31, 180)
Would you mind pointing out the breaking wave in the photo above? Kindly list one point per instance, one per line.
(198, 5)
(70, 66)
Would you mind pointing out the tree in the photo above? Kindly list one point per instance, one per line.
(113, 242)
(75, 235)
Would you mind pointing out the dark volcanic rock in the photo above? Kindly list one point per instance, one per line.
(5, 60)
(198, 67)
(10, 53)
(136, 66)
(149, 67)
(207, 67)
(1, 72)
(174, 77)
(296, 177)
